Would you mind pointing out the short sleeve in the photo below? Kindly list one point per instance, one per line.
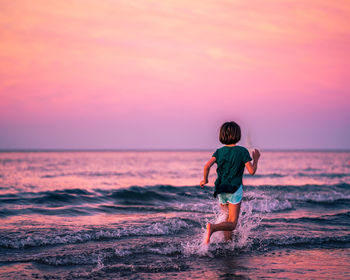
(246, 156)
(215, 155)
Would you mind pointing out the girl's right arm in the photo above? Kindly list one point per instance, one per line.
(253, 167)
(206, 171)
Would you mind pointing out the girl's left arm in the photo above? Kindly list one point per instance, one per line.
(206, 171)
(253, 167)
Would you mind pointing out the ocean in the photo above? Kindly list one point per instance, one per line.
(142, 215)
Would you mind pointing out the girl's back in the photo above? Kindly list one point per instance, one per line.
(230, 162)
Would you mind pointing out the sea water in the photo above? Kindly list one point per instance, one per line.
(142, 215)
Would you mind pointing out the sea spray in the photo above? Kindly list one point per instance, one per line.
(242, 236)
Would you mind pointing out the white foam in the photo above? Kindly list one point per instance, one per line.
(243, 235)
(318, 196)
(121, 252)
(201, 207)
(264, 203)
(166, 226)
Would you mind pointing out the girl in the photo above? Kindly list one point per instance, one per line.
(231, 160)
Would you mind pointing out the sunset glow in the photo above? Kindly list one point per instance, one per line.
(165, 74)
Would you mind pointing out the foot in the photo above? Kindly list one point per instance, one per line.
(209, 233)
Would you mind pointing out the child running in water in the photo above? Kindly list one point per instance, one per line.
(231, 161)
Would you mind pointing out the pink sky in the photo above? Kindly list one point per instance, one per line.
(165, 74)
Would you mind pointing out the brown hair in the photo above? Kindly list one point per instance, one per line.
(230, 133)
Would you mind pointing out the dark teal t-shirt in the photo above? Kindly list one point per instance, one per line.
(230, 165)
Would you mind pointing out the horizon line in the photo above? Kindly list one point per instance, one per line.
(164, 150)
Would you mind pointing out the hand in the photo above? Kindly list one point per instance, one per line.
(203, 182)
(256, 154)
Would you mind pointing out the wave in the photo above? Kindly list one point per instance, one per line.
(91, 174)
(107, 209)
(323, 175)
(338, 219)
(113, 254)
(263, 242)
(270, 175)
(113, 258)
(165, 198)
(127, 196)
(306, 188)
(51, 237)
(120, 254)
(307, 193)
(304, 241)
(51, 198)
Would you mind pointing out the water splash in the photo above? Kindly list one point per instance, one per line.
(243, 236)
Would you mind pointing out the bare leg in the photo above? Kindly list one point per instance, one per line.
(229, 225)
(209, 233)
(227, 234)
